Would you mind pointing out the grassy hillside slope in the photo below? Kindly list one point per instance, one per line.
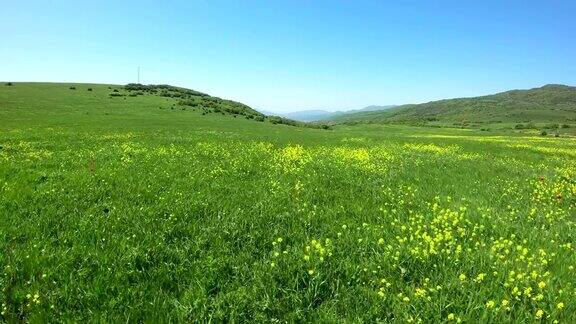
(548, 104)
(133, 103)
(126, 210)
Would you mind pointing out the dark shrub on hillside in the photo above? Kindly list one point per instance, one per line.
(166, 90)
(188, 102)
(286, 121)
(543, 133)
(89, 89)
(565, 126)
(281, 120)
(9, 84)
(552, 126)
(525, 126)
(72, 88)
(115, 94)
(115, 90)
(136, 86)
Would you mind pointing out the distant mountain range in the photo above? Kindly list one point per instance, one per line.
(322, 115)
(551, 103)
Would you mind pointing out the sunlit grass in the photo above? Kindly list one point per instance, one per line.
(206, 220)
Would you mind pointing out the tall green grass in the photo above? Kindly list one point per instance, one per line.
(116, 209)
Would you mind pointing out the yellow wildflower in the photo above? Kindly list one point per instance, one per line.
(541, 285)
(480, 277)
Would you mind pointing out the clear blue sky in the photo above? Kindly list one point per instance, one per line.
(291, 55)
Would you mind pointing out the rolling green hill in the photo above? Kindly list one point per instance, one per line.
(548, 104)
(92, 102)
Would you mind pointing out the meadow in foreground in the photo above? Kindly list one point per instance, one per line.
(171, 215)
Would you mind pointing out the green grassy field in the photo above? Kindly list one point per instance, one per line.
(127, 209)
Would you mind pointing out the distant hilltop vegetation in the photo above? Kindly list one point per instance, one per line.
(548, 104)
(199, 100)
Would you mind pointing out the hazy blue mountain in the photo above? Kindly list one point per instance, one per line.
(308, 115)
(319, 114)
